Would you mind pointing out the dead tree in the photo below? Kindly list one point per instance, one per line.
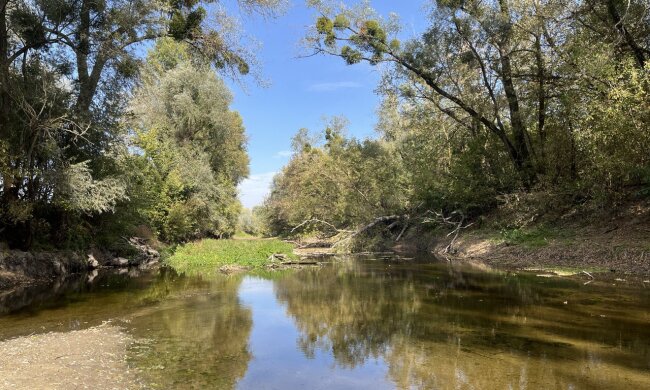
(455, 219)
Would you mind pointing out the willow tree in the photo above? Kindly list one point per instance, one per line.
(193, 145)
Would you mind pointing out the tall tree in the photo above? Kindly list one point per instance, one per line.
(65, 69)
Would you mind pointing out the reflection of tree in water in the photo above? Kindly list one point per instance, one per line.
(346, 314)
(443, 327)
(196, 338)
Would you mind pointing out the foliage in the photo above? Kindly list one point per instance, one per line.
(556, 90)
(193, 145)
(535, 237)
(493, 98)
(206, 256)
(252, 222)
(68, 172)
(343, 182)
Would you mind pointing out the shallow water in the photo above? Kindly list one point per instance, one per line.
(359, 323)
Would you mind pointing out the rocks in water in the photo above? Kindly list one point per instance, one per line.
(282, 260)
(233, 269)
(92, 262)
(91, 276)
(278, 257)
(140, 255)
(146, 254)
(119, 262)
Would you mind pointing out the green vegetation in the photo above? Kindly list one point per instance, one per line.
(495, 101)
(96, 143)
(193, 147)
(533, 237)
(206, 256)
(252, 222)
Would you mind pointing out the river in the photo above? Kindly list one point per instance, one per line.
(358, 323)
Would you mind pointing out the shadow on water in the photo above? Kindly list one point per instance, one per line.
(357, 323)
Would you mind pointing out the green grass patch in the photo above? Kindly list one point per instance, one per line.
(244, 236)
(534, 238)
(207, 255)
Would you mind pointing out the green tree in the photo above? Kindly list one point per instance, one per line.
(66, 68)
(506, 68)
(193, 143)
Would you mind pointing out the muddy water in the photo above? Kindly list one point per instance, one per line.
(359, 323)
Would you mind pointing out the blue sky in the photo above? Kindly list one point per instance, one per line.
(304, 91)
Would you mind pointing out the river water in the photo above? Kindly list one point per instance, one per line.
(359, 323)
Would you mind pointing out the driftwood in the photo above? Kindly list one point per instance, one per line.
(590, 275)
(449, 220)
(367, 227)
(455, 219)
(319, 221)
(406, 225)
(300, 262)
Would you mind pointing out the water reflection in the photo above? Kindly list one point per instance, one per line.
(444, 327)
(357, 324)
(197, 338)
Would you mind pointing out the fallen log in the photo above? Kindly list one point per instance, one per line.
(300, 262)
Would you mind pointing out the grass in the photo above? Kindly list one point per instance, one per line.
(207, 255)
(244, 236)
(532, 238)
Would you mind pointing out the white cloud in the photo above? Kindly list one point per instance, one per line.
(253, 190)
(333, 86)
(283, 154)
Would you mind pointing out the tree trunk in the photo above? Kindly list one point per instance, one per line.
(8, 186)
(5, 99)
(637, 51)
(88, 79)
(519, 131)
(541, 101)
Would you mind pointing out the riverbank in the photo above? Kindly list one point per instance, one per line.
(22, 268)
(526, 232)
(561, 240)
(19, 268)
(593, 254)
(93, 358)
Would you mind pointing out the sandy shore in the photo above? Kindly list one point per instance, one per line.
(93, 358)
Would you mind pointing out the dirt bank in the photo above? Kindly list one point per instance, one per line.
(94, 358)
(594, 254)
(614, 240)
(19, 268)
(538, 231)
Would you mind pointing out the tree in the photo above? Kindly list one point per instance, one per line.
(66, 68)
(344, 182)
(464, 64)
(193, 143)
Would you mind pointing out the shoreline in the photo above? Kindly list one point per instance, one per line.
(586, 255)
(89, 358)
(21, 269)
(613, 251)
